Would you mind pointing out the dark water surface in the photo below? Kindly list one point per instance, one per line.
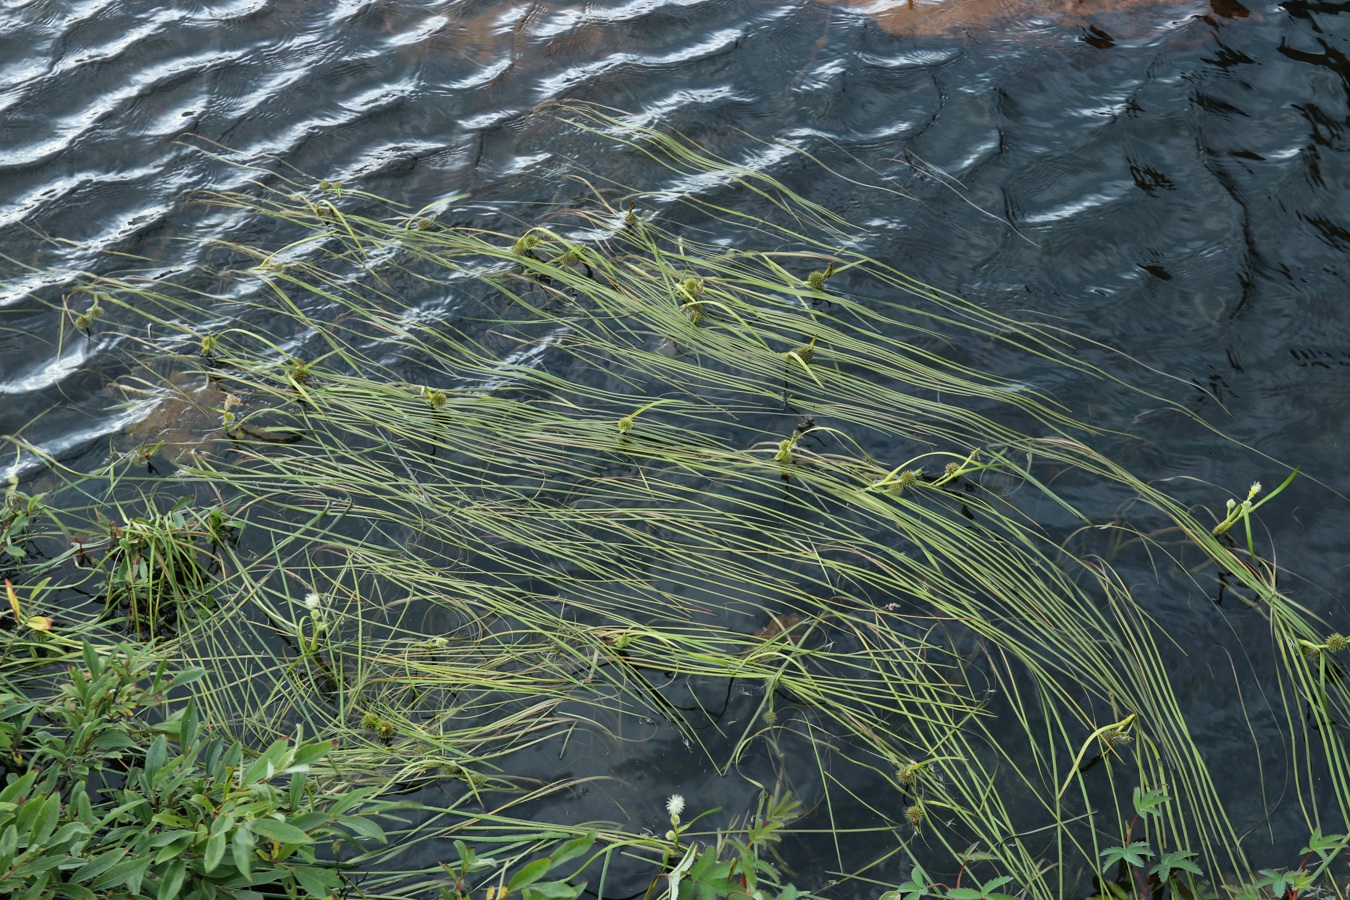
(1167, 180)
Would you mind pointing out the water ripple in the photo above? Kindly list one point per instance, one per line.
(1186, 169)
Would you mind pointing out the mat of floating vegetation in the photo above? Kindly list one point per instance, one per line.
(729, 516)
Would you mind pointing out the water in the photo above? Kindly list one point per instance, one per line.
(1167, 179)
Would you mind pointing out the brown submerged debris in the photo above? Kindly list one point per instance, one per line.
(787, 624)
(1097, 22)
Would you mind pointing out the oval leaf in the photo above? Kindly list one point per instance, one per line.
(529, 875)
(173, 880)
(242, 849)
(282, 832)
(215, 852)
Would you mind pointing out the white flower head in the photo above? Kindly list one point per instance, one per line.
(313, 601)
(1256, 489)
(675, 805)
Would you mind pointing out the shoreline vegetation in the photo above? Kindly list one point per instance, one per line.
(493, 527)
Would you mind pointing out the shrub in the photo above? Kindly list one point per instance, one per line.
(108, 797)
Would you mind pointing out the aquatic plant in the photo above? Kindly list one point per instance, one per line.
(742, 502)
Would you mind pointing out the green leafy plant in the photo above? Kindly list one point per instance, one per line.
(1320, 853)
(734, 864)
(16, 516)
(110, 798)
(527, 881)
(1142, 869)
(919, 886)
(1173, 871)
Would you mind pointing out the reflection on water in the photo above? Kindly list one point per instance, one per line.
(1100, 23)
(1164, 178)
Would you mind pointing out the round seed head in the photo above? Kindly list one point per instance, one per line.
(525, 244)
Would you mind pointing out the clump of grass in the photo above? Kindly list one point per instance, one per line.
(505, 570)
(155, 569)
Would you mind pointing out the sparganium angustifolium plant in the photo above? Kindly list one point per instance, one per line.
(641, 438)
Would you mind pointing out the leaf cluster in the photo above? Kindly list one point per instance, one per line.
(1142, 869)
(16, 516)
(529, 882)
(108, 797)
(735, 865)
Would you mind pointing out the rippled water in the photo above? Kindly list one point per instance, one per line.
(1167, 179)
